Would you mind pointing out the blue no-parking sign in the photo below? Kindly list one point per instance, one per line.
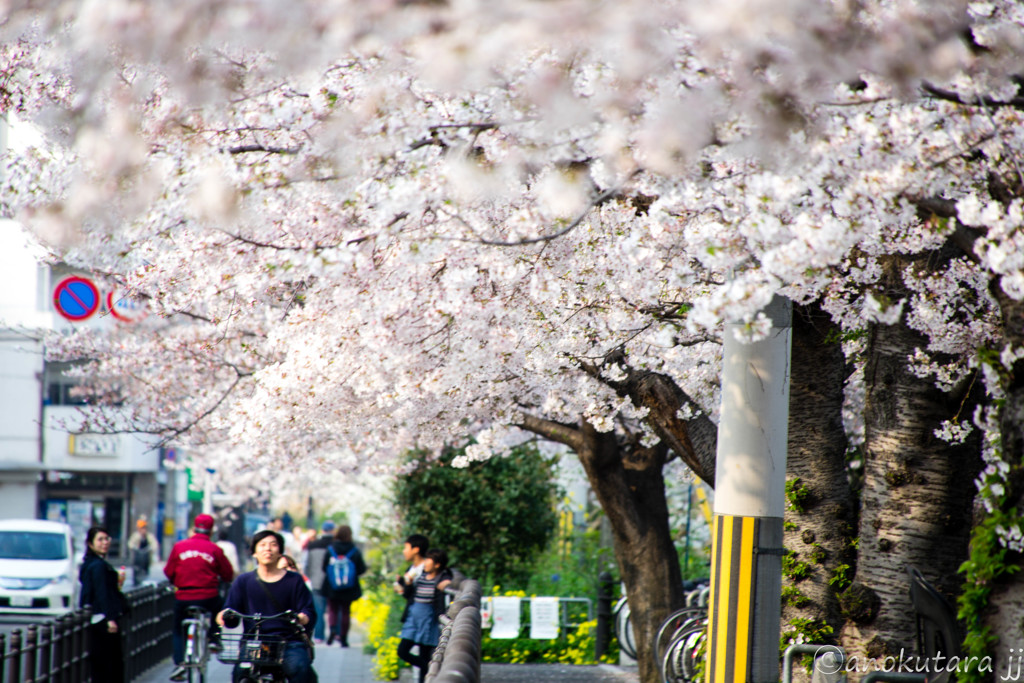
(76, 298)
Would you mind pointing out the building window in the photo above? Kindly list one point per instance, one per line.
(61, 390)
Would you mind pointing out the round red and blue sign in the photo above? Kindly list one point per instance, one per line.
(76, 298)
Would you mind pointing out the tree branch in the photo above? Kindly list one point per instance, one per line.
(554, 431)
(663, 398)
(979, 101)
(597, 201)
(245, 149)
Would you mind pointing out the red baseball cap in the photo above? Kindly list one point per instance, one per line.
(204, 522)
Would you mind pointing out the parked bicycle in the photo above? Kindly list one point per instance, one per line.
(679, 645)
(258, 656)
(624, 628)
(197, 645)
(681, 640)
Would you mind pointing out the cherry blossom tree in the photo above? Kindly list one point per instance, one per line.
(368, 226)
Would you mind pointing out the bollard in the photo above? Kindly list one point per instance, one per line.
(81, 669)
(16, 651)
(46, 652)
(603, 633)
(31, 643)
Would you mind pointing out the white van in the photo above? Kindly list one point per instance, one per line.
(38, 571)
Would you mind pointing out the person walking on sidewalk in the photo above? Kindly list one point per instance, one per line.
(196, 567)
(144, 549)
(315, 553)
(340, 596)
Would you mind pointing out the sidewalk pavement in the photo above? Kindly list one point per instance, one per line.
(333, 664)
(563, 673)
(336, 664)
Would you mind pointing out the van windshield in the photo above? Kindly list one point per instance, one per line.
(32, 545)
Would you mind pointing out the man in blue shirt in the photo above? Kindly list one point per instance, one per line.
(271, 590)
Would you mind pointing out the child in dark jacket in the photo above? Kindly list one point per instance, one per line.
(421, 627)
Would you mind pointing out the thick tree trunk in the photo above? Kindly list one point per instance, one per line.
(917, 493)
(627, 479)
(631, 489)
(820, 512)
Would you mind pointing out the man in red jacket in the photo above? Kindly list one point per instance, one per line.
(196, 567)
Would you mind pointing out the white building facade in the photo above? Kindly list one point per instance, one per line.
(49, 468)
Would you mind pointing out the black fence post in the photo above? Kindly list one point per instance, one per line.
(81, 645)
(15, 672)
(31, 652)
(603, 633)
(46, 652)
(60, 649)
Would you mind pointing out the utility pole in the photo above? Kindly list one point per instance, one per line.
(750, 482)
(208, 490)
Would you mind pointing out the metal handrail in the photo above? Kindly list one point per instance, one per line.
(458, 654)
(563, 609)
(807, 649)
(52, 651)
(57, 650)
(894, 677)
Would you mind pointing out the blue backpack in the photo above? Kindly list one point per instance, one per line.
(341, 570)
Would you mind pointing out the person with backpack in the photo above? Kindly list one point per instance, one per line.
(343, 564)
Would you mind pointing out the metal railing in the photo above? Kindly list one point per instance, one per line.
(565, 621)
(50, 652)
(148, 635)
(57, 651)
(457, 656)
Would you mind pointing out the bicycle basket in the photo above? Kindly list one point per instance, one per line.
(249, 647)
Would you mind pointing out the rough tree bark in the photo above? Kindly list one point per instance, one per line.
(627, 479)
(821, 511)
(918, 490)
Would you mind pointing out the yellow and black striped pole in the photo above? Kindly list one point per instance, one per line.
(750, 479)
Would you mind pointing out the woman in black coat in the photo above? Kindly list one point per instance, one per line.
(101, 590)
(339, 601)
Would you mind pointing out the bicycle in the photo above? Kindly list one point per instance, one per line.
(197, 646)
(259, 656)
(624, 627)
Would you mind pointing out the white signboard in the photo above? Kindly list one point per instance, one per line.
(94, 445)
(505, 617)
(79, 519)
(544, 618)
(486, 609)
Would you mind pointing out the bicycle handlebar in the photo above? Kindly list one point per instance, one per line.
(233, 617)
(287, 614)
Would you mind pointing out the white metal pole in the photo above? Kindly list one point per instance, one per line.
(750, 481)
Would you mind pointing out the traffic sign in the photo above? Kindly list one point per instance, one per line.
(76, 298)
(125, 308)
